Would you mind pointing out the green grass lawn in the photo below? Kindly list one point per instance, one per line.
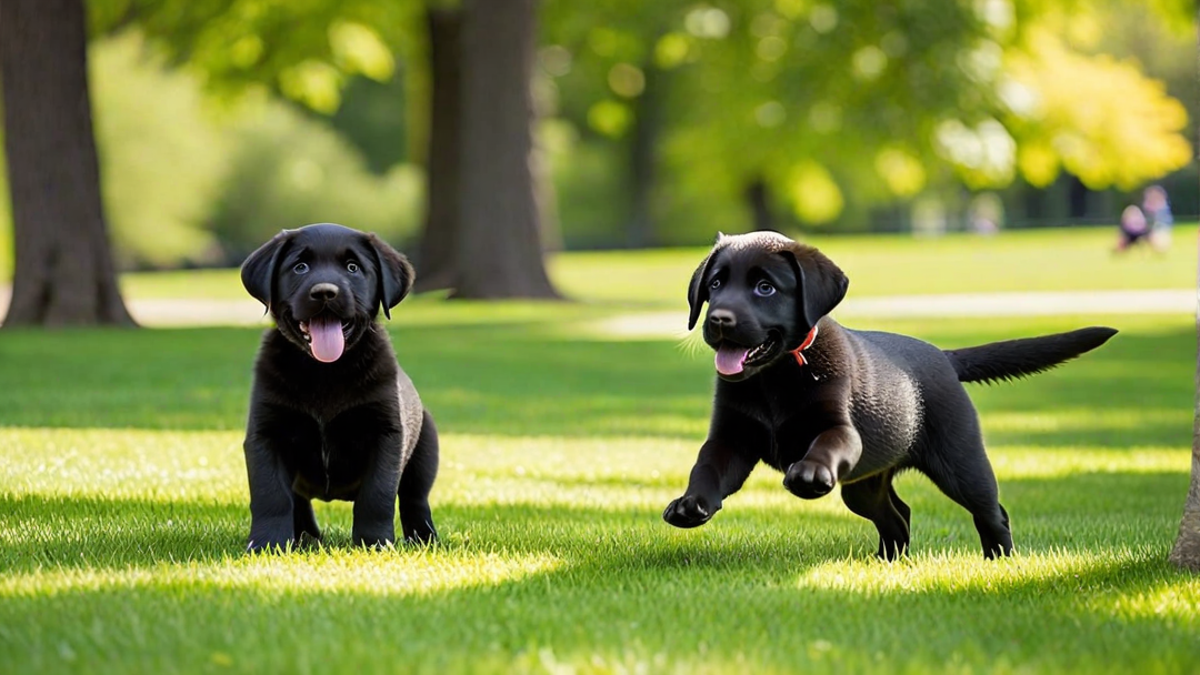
(125, 509)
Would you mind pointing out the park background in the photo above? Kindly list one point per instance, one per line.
(571, 398)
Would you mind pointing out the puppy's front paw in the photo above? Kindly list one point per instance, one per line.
(263, 545)
(374, 533)
(421, 535)
(808, 480)
(374, 542)
(689, 511)
(271, 536)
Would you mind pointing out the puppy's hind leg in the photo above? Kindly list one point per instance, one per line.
(874, 498)
(304, 518)
(971, 482)
(899, 504)
(415, 484)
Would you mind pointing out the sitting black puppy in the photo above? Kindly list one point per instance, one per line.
(332, 416)
(825, 404)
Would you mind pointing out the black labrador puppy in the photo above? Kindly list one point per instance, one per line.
(332, 416)
(825, 404)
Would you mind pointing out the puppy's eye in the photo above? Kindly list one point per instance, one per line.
(764, 289)
(352, 267)
(300, 268)
(714, 284)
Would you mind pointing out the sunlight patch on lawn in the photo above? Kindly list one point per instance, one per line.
(1013, 462)
(384, 573)
(132, 463)
(953, 572)
(1084, 419)
(1176, 600)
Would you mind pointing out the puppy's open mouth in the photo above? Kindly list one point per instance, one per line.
(326, 336)
(732, 359)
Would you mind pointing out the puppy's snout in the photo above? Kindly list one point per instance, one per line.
(323, 292)
(722, 318)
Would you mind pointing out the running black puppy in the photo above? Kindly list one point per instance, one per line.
(825, 404)
(331, 414)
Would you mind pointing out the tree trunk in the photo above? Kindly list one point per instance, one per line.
(1186, 553)
(759, 202)
(436, 258)
(644, 162)
(499, 250)
(64, 274)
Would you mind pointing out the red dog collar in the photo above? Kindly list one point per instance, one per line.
(808, 340)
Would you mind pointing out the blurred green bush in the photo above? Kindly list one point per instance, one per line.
(163, 155)
(288, 170)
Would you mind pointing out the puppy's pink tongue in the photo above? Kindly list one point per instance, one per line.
(327, 339)
(730, 359)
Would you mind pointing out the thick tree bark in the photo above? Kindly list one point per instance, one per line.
(499, 249)
(436, 255)
(1186, 553)
(64, 274)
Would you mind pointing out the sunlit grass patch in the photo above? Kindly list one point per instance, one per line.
(398, 572)
(1061, 420)
(122, 463)
(1174, 599)
(1018, 462)
(941, 572)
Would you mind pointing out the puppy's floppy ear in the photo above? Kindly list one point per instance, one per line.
(820, 283)
(395, 274)
(258, 272)
(697, 289)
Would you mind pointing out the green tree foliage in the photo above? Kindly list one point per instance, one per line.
(308, 51)
(690, 111)
(808, 96)
(304, 49)
(837, 106)
(192, 180)
(1096, 117)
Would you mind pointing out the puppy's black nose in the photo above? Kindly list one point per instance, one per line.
(323, 291)
(722, 318)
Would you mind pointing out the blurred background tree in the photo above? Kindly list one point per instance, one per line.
(220, 122)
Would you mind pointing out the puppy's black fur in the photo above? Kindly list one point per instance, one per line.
(855, 408)
(332, 416)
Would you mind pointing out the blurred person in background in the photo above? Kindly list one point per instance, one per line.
(1133, 228)
(1158, 212)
